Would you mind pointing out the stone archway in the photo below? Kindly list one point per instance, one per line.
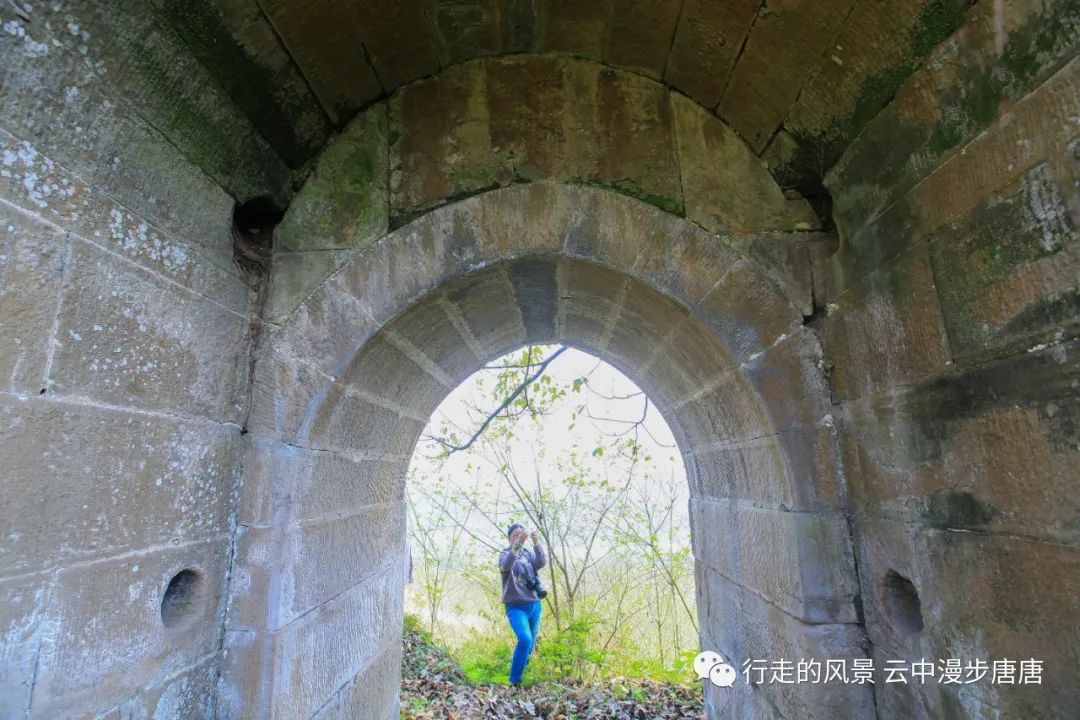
(346, 383)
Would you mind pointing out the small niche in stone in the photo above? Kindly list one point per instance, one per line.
(902, 604)
(182, 599)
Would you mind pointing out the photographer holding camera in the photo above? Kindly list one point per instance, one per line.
(521, 593)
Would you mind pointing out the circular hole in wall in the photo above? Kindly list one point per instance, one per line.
(902, 603)
(182, 599)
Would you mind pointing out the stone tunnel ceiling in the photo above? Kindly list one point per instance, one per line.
(796, 79)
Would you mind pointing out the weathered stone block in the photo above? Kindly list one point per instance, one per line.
(1029, 147)
(573, 27)
(295, 276)
(344, 420)
(108, 640)
(525, 219)
(887, 329)
(675, 257)
(859, 73)
(340, 549)
(743, 626)
(42, 187)
(752, 470)
(242, 50)
(191, 693)
(324, 45)
(727, 188)
(344, 202)
(706, 43)
(371, 694)
(785, 46)
(746, 312)
(606, 112)
(285, 395)
(1007, 273)
(393, 373)
(113, 97)
(408, 264)
(795, 470)
(466, 29)
(990, 449)
(442, 146)
(815, 466)
(32, 260)
(23, 605)
(795, 360)
(306, 663)
(799, 561)
(325, 331)
(725, 410)
(980, 597)
(590, 302)
(639, 34)
(428, 330)
(126, 337)
(787, 259)
(148, 480)
(488, 311)
(283, 572)
(998, 58)
(484, 125)
(398, 40)
(645, 318)
(307, 484)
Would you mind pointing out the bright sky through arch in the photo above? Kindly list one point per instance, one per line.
(615, 402)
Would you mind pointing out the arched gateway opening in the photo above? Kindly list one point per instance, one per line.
(345, 386)
(554, 439)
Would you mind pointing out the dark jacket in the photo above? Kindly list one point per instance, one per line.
(516, 570)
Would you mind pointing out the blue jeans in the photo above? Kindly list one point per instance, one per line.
(525, 621)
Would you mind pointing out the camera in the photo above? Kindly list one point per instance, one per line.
(533, 583)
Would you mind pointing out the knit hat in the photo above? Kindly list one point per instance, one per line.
(510, 530)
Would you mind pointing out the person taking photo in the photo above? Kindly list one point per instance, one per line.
(521, 593)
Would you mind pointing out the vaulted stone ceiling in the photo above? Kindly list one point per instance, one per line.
(796, 78)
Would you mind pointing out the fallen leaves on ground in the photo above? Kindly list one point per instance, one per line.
(434, 688)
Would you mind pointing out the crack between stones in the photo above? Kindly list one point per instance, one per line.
(738, 56)
(742, 443)
(671, 43)
(374, 71)
(814, 72)
(389, 646)
(302, 617)
(41, 642)
(453, 313)
(54, 328)
(348, 454)
(770, 602)
(293, 61)
(127, 554)
(81, 401)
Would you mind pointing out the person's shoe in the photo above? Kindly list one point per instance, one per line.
(515, 685)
